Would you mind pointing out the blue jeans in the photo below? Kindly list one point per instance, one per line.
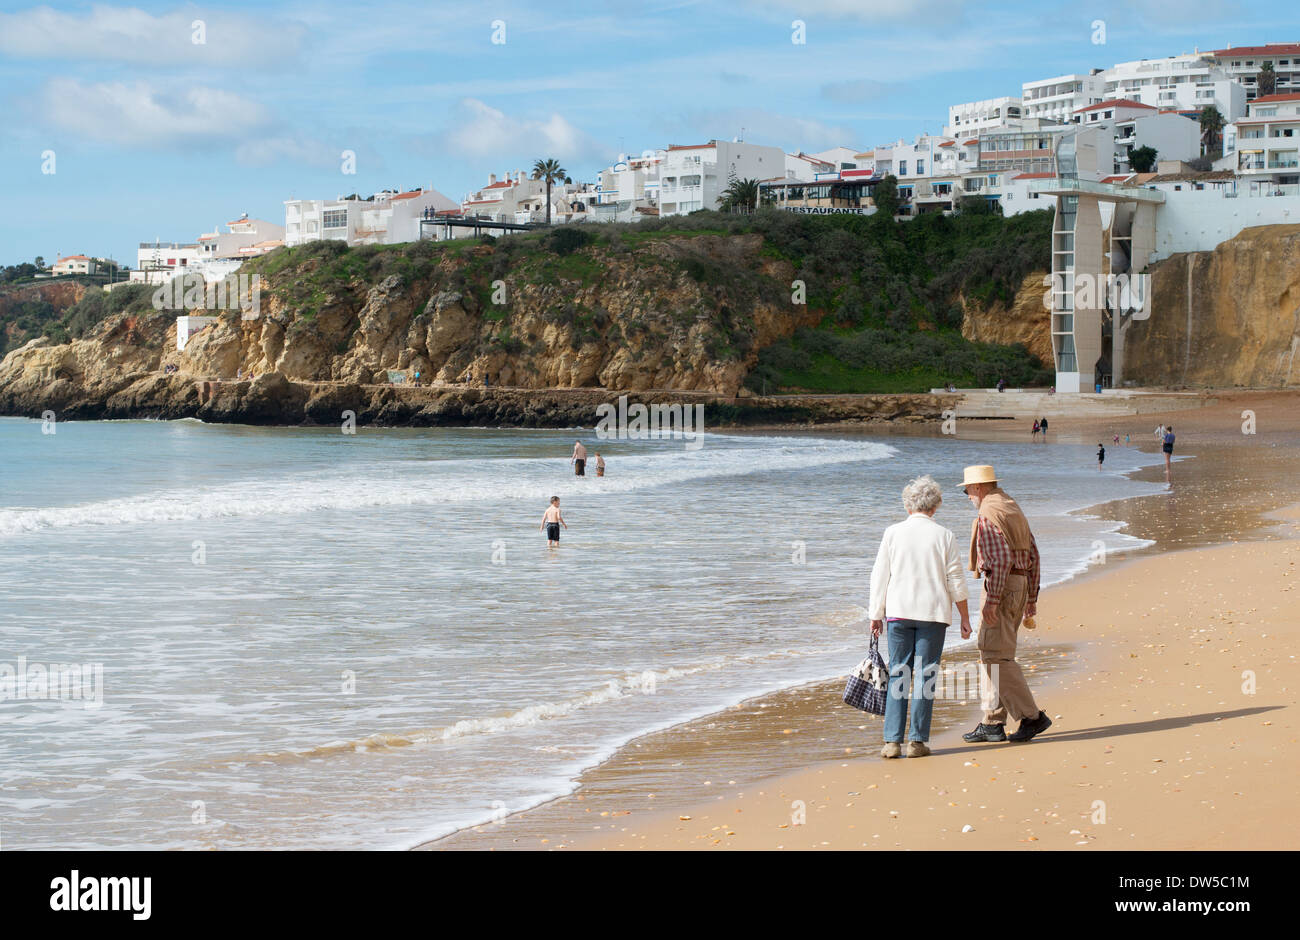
(914, 650)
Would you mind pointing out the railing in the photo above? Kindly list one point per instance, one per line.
(1282, 164)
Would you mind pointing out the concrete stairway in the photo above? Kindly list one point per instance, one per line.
(1034, 403)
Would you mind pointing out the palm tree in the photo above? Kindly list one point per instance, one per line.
(552, 172)
(1211, 127)
(740, 193)
(1266, 80)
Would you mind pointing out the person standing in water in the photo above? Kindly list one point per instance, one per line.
(551, 522)
(600, 465)
(579, 459)
(1167, 445)
(1101, 455)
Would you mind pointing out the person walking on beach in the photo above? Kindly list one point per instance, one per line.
(1034, 434)
(551, 522)
(1042, 426)
(600, 465)
(1003, 552)
(579, 459)
(1101, 455)
(1160, 432)
(915, 581)
(1167, 445)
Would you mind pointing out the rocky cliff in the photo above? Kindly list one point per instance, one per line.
(1025, 320)
(26, 308)
(1225, 317)
(642, 310)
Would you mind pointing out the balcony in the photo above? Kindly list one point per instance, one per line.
(1283, 164)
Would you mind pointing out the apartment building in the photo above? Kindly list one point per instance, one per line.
(695, 176)
(1057, 99)
(972, 118)
(1186, 82)
(1263, 148)
(385, 218)
(243, 238)
(1132, 124)
(1243, 64)
(1021, 151)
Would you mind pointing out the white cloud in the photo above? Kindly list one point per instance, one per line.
(127, 34)
(478, 129)
(138, 114)
(263, 151)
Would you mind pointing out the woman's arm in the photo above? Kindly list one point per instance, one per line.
(880, 573)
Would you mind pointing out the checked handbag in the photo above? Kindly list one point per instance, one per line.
(868, 684)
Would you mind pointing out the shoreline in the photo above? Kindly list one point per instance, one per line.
(562, 824)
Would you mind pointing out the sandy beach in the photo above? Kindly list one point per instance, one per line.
(1170, 677)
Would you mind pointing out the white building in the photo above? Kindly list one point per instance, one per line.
(972, 118)
(840, 158)
(1263, 148)
(1186, 82)
(695, 176)
(500, 199)
(1132, 125)
(243, 238)
(629, 188)
(75, 264)
(1057, 99)
(803, 166)
(1244, 62)
(158, 262)
(385, 218)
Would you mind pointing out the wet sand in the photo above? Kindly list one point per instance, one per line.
(1146, 680)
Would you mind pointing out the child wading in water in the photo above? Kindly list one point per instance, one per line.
(551, 522)
(1101, 455)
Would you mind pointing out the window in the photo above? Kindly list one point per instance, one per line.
(335, 218)
(902, 167)
(920, 167)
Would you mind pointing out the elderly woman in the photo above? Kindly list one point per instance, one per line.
(917, 578)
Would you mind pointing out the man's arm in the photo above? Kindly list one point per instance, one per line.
(995, 559)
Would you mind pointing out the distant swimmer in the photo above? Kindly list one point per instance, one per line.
(551, 522)
(579, 459)
(600, 465)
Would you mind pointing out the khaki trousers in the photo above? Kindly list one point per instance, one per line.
(1003, 689)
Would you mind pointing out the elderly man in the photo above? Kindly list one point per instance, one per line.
(1003, 552)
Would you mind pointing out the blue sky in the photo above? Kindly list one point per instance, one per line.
(155, 135)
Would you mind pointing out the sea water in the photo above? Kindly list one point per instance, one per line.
(312, 639)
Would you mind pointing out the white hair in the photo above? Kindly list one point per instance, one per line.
(922, 495)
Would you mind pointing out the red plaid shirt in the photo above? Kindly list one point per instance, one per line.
(997, 558)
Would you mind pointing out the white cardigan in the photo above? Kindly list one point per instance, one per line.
(918, 573)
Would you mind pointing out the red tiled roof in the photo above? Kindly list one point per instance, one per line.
(1281, 48)
(1035, 176)
(499, 184)
(690, 147)
(479, 202)
(1267, 99)
(72, 258)
(1116, 179)
(410, 195)
(1115, 103)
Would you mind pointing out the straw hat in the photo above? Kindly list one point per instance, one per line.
(978, 473)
